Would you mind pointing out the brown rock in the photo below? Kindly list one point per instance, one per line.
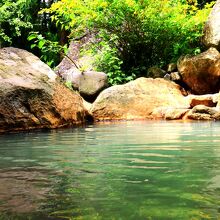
(175, 76)
(216, 116)
(211, 36)
(169, 113)
(155, 72)
(202, 112)
(201, 73)
(209, 100)
(138, 99)
(171, 67)
(31, 96)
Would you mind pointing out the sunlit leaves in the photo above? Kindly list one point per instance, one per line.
(148, 32)
(12, 19)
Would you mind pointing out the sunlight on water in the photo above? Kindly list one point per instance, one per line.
(127, 170)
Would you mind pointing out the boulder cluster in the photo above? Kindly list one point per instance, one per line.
(34, 96)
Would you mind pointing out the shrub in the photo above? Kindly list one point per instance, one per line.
(134, 35)
(12, 20)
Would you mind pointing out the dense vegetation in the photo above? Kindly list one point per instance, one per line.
(131, 35)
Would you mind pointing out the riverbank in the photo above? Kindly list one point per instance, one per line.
(32, 96)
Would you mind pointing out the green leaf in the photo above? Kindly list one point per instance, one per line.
(31, 37)
(41, 44)
(33, 45)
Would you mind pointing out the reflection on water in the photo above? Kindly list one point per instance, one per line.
(129, 170)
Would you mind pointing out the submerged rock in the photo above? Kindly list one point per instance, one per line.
(211, 36)
(138, 100)
(201, 73)
(31, 96)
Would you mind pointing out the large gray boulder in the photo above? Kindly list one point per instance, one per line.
(88, 83)
(77, 68)
(31, 95)
(201, 73)
(91, 83)
(211, 36)
(75, 59)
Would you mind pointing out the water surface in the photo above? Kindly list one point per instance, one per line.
(128, 170)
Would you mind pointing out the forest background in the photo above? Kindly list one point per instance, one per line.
(130, 35)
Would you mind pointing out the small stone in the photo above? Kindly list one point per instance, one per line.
(175, 76)
(209, 100)
(172, 67)
(167, 76)
(155, 72)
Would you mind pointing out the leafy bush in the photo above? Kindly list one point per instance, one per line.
(18, 18)
(50, 50)
(12, 20)
(134, 35)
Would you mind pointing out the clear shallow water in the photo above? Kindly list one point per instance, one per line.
(130, 170)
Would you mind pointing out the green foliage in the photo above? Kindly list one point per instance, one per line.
(18, 18)
(134, 35)
(107, 60)
(69, 85)
(49, 49)
(13, 20)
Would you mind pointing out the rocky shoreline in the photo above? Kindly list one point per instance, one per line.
(33, 96)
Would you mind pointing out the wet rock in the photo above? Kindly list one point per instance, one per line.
(31, 95)
(138, 99)
(211, 31)
(201, 73)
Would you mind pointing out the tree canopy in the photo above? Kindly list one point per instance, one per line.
(132, 35)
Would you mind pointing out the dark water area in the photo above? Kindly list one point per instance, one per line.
(128, 170)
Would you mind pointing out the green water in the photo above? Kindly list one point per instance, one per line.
(129, 170)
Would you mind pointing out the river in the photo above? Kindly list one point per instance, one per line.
(122, 170)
